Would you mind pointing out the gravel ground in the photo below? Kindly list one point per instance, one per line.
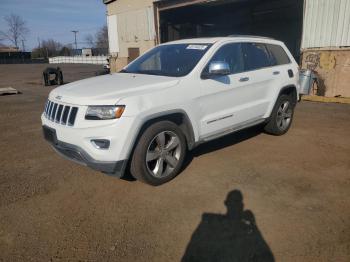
(245, 197)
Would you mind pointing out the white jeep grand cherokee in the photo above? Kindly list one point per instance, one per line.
(169, 100)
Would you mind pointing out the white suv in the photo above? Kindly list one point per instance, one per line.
(171, 99)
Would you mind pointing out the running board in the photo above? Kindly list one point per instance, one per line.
(233, 129)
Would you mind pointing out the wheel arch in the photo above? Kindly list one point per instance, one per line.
(289, 90)
(178, 116)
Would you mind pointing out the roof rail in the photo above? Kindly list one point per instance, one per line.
(251, 36)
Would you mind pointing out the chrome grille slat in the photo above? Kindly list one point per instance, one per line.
(65, 115)
(72, 116)
(70, 111)
(60, 114)
(46, 104)
(50, 110)
(53, 113)
(48, 107)
(54, 117)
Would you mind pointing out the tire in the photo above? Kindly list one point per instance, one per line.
(159, 154)
(43, 81)
(60, 79)
(281, 117)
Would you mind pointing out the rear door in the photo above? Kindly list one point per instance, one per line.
(257, 61)
(284, 71)
(282, 64)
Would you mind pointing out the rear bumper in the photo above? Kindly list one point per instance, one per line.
(80, 156)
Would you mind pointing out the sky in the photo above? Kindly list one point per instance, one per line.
(55, 19)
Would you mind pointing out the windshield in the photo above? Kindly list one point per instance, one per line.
(169, 60)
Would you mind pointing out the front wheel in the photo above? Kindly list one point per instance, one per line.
(159, 153)
(281, 116)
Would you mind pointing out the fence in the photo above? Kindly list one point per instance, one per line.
(19, 58)
(23, 61)
(97, 60)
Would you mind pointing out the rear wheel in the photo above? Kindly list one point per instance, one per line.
(159, 154)
(281, 116)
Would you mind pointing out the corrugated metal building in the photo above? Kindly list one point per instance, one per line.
(326, 23)
(316, 31)
(326, 45)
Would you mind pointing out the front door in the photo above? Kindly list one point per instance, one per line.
(236, 99)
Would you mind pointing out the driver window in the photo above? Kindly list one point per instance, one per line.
(232, 55)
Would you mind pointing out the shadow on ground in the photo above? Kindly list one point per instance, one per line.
(231, 237)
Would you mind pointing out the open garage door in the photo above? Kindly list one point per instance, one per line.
(279, 19)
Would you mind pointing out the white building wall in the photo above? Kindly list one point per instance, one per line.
(326, 24)
(96, 60)
(136, 28)
(113, 37)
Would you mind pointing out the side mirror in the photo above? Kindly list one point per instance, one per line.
(219, 68)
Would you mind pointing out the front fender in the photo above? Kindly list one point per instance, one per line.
(142, 121)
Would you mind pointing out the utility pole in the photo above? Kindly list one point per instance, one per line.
(75, 38)
(23, 48)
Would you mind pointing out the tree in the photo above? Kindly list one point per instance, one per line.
(66, 51)
(48, 48)
(102, 38)
(53, 47)
(89, 39)
(16, 29)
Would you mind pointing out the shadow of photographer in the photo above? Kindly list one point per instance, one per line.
(230, 237)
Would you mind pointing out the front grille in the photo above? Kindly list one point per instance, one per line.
(60, 114)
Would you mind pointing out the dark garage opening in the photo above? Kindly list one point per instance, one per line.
(279, 19)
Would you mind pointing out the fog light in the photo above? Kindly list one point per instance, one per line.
(101, 143)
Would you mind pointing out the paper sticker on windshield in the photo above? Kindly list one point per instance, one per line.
(197, 47)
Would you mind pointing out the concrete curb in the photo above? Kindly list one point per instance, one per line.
(341, 100)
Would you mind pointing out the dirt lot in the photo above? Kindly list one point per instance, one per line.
(295, 190)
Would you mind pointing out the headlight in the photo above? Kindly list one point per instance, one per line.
(104, 112)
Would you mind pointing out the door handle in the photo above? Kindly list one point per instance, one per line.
(244, 79)
(276, 72)
(290, 73)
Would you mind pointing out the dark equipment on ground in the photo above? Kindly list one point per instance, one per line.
(52, 76)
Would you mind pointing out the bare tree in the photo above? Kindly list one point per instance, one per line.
(47, 48)
(99, 41)
(89, 39)
(102, 37)
(16, 31)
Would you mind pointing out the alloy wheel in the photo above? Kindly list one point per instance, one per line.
(284, 115)
(163, 154)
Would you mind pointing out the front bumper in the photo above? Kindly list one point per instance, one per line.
(80, 156)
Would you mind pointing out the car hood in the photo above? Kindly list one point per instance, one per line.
(109, 89)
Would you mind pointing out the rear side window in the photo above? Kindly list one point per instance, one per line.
(278, 55)
(256, 56)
